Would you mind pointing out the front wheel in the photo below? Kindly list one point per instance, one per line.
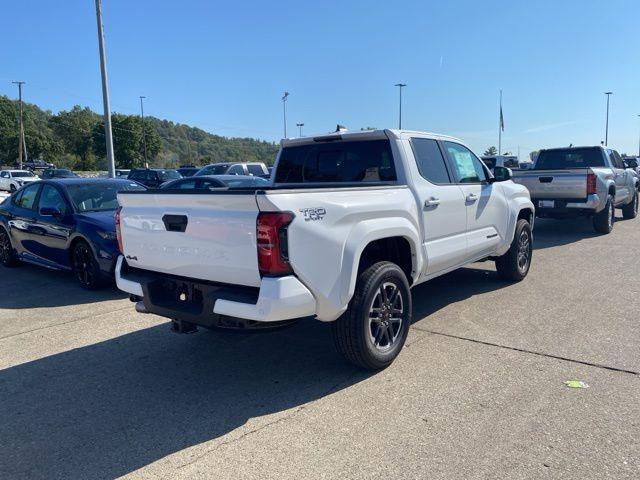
(12, 188)
(515, 263)
(630, 210)
(85, 267)
(373, 330)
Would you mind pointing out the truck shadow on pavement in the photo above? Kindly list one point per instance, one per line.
(108, 409)
(28, 286)
(113, 407)
(549, 232)
(453, 287)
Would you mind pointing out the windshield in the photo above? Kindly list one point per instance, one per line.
(99, 196)
(168, 175)
(567, 158)
(247, 181)
(22, 174)
(213, 170)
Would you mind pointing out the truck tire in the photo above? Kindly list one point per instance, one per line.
(515, 263)
(8, 256)
(373, 330)
(603, 220)
(630, 210)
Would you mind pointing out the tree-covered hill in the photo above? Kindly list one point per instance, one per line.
(75, 139)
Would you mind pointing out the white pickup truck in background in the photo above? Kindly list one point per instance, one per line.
(350, 224)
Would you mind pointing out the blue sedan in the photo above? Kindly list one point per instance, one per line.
(64, 224)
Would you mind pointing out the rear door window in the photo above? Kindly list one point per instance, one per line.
(28, 197)
(255, 169)
(430, 161)
(366, 161)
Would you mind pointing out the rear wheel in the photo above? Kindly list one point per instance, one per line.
(372, 332)
(515, 263)
(603, 220)
(12, 188)
(85, 267)
(8, 256)
(630, 210)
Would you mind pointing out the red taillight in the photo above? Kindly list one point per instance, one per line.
(591, 183)
(118, 234)
(273, 248)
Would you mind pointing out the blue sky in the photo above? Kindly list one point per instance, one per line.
(223, 66)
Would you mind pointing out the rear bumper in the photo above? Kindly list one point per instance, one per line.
(569, 207)
(204, 303)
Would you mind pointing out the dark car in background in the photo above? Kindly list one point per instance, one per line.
(188, 170)
(64, 224)
(36, 165)
(216, 181)
(153, 177)
(57, 173)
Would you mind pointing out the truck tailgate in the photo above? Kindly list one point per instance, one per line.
(554, 184)
(210, 237)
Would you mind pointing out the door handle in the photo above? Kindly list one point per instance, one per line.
(431, 202)
(472, 197)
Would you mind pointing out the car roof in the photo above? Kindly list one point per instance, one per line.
(365, 135)
(18, 171)
(78, 180)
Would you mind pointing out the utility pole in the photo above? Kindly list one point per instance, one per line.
(300, 125)
(606, 130)
(21, 127)
(638, 144)
(400, 87)
(144, 133)
(108, 136)
(500, 127)
(284, 111)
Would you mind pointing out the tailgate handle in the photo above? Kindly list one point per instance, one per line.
(546, 179)
(175, 223)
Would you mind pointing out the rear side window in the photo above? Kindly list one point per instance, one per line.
(430, 161)
(28, 197)
(255, 169)
(367, 161)
(561, 159)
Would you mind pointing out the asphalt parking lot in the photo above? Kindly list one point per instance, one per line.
(90, 389)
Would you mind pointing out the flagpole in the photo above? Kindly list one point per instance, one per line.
(500, 127)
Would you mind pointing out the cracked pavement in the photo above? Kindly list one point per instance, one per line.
(90, 389)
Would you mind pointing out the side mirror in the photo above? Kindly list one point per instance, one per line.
(632, 163)
(50, 212)
(502, 174)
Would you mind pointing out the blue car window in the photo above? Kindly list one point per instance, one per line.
(28, 197)
(51, 198)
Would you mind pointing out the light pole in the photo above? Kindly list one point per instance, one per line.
(606, 131)
(639, 143)
(108, 136)
(21, 128)
(300, 125)
(144, 133)
(284, 111)
(400, 87)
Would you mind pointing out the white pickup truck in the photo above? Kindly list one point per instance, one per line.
(350, 224)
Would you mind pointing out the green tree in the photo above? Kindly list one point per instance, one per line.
(128, 141)
(74, 128)
(490, 151)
